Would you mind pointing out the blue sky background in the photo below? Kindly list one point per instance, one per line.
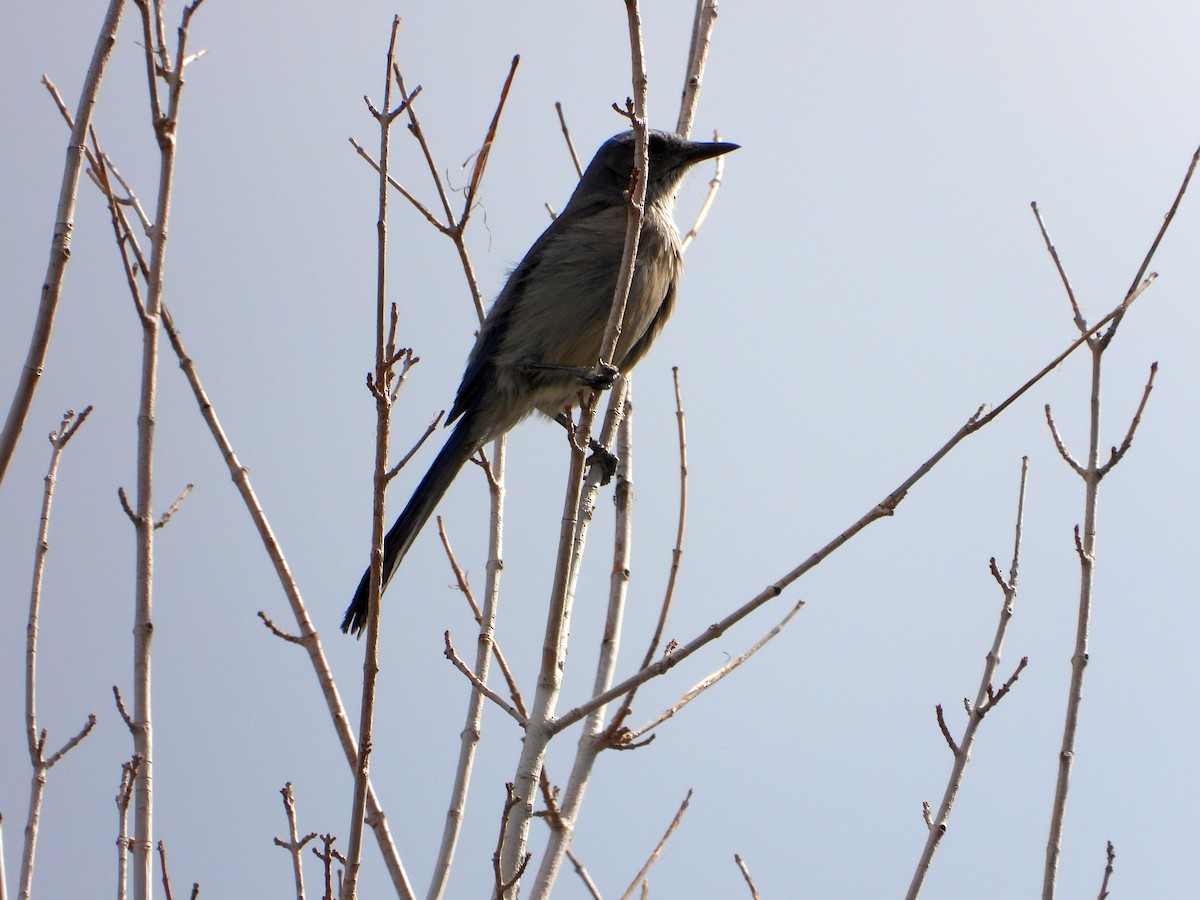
(871, 273)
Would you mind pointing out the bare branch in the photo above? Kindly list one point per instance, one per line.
(481, 157)
(714, 185)
(278, 632)
(1118, 453)
(1062, 448)
(941, 720)
(71, 744)
(628, 736)
(584, 876)
(985, 699)
(562, 120)
(60, 252)
(1167, 219)
(479, 685)
(432, 427)
(662, 842)
(994, 698)
(383, 408)
(429, 217)
(1079, 321)
(741, 864)
(504, 886)
(174, 507)
(702, 25)
(1110, 855)
(464, 586)
(294, 844)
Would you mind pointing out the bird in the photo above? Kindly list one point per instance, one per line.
(543, 333)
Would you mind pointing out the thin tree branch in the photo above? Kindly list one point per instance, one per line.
(60, 245)
(741, 864)
(479, 685)
(985, 699)
(662, 842)
(383, 374)
(1110, 855)
(1167, 219)
(884, 508)
(562, 120)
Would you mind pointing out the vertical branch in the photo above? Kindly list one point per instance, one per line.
(483, 654)
(985, 698)
(380, 388)
(124, 795)
(60, 245)
(165, 126)
(294, 845)
(702, 26)
(1086, 550)
(593, 737)
(35, 740)
(539, 728)
(1085, 544)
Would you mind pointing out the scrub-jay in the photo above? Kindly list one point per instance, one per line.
(545, 328)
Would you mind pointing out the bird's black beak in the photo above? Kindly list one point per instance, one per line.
(699, 151)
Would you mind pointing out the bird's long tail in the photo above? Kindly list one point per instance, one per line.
(458, 449)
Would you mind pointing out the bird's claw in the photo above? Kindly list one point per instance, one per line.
(605, 458)
(601, 377)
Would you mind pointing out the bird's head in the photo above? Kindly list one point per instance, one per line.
(670, 158)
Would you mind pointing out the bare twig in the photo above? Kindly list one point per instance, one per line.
(432, 427)
(60, 245)
(995, 697)
(505, 885)
(941, 720)
(1079, 320)
(294, 845)
(35, 738)
(1166, 223)
(174, 507)
(383, 374)
(562, 120)
(481, 156)
(584, 876)
(464, 586)
(478, 684)
(714, 185)
(662, 842)
(1118, 453)
(702, 25)
(985, 699)
(741, 864)
(1062, 448)
(279, 632)
(328, 855)
(430, 217)
(124, 795)
(1110, 855)
(627, 738)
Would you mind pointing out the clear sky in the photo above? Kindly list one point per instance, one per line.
(871, 273)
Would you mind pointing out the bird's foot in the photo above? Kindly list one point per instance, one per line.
(603, 457)
(601, 377)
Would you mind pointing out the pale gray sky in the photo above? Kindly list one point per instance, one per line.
(870, 274)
